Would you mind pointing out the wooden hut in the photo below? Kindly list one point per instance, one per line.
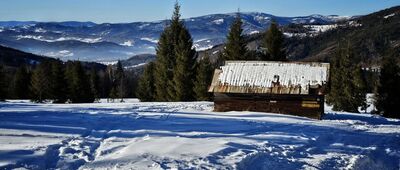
(295, 88)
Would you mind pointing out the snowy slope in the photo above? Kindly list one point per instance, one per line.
(136, 135)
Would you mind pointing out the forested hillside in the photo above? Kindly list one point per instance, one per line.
(29, 76)
(13, 58)
(370, 35)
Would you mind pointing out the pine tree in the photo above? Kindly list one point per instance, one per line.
(58, 82)
(273, 43)
(235, 48)
(146, 88)
(388, 92)
(204, 75)
(94, 83)
(184, 69)
(41, 82)
(3, 91)
(20, 86)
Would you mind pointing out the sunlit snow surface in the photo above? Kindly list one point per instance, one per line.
(263, 74)
(134, 135)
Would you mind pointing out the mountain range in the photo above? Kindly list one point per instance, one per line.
(106, 42)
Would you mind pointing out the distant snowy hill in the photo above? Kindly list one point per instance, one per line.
(108, 42)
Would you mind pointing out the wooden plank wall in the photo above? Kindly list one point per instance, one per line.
(311, 106)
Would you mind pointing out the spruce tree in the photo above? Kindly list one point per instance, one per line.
(173, 43)
(273, 43)
(79, 85)
(146, 88)
(3, 90)
(119, 71)
(58, 82)
(120, 82)
(235, 47)
(69, 73)
(21, 88)
(41, 82)
(113, 94)
(360, 88)
(184, 69)
(204, 75)
(334, 95)
(107, 82)
(388, 91)
(347, 89)
(94, 83)
(163, 73)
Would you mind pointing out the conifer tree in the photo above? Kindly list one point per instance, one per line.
(235, 48)
(119, 72)
(273, 43)
(163, 64)
(184, 69)
(174, 34)
(2, 84)
(68, 75)
(204, 75)
(79, 86)
(107, 82)
(41, 82)
(94, 83)
(360, 88)
(220, 59)
(113, 94)
(21, 88)
(387, 98)
(146, 88)
(347, 93)
(120, 82)
(334, 95)
(58, 82)
(122, 88)
(173, 41)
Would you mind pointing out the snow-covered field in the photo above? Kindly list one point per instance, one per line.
(136, 135)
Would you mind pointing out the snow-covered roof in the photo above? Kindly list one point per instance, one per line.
(263, 76)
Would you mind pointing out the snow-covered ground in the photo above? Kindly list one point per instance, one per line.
(136, 135)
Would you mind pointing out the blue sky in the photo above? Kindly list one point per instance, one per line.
(150, 10)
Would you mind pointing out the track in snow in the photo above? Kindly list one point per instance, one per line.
(188, 135)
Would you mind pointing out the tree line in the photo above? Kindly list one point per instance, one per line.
(61, 82)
